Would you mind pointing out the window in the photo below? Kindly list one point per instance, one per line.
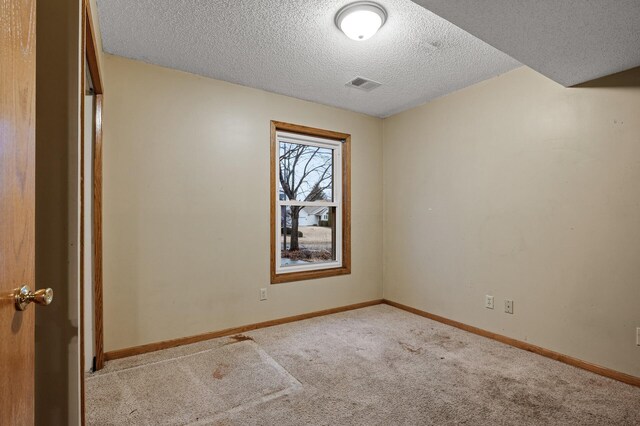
(310, 201)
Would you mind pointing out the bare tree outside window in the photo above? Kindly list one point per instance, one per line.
(305, 175)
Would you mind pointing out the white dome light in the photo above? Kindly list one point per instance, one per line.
(361, 20)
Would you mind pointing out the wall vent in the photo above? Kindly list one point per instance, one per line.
(363, 84)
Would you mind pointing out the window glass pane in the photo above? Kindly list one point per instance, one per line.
(306, 173)
(307, 235)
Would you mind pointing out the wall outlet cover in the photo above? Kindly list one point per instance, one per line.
(508, 306)
(488, 302)
(263, 294)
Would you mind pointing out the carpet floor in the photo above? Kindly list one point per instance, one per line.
(372, 366)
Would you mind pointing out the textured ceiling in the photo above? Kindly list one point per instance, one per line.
(294, 48)
(569, 41)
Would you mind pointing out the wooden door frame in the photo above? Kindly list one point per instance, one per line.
(90, 53)
(94, 69)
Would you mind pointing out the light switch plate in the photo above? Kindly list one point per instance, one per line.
(263, 294)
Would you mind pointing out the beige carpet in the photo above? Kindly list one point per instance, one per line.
(373, 366)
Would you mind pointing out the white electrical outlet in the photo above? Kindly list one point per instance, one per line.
(263, 294)
(638, 336)
(508, 306)
(488, 302)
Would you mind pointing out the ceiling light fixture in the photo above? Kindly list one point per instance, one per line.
(361, 20)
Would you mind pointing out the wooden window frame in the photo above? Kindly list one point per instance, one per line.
(345, 139)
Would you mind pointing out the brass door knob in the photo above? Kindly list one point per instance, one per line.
(23, 296)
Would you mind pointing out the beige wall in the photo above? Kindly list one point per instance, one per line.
(186, 205)
(522, 189)
(515, 187)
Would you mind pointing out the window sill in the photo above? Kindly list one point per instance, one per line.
(288, 277)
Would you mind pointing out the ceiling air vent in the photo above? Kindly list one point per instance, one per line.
(363, 84)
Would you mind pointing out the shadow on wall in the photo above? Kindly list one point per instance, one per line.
(57, 378)
(628, 78)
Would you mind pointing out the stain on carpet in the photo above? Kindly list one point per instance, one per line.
(410, 348)
(220, 371)
(240, 338)
(201, 387)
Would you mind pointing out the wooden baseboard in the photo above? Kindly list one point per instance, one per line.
(603, 371)
(151, 347)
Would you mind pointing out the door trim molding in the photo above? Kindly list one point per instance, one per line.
(89, 53)
(90, 50)
(97, 237)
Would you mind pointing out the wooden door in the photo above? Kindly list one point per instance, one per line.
(17, 207)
